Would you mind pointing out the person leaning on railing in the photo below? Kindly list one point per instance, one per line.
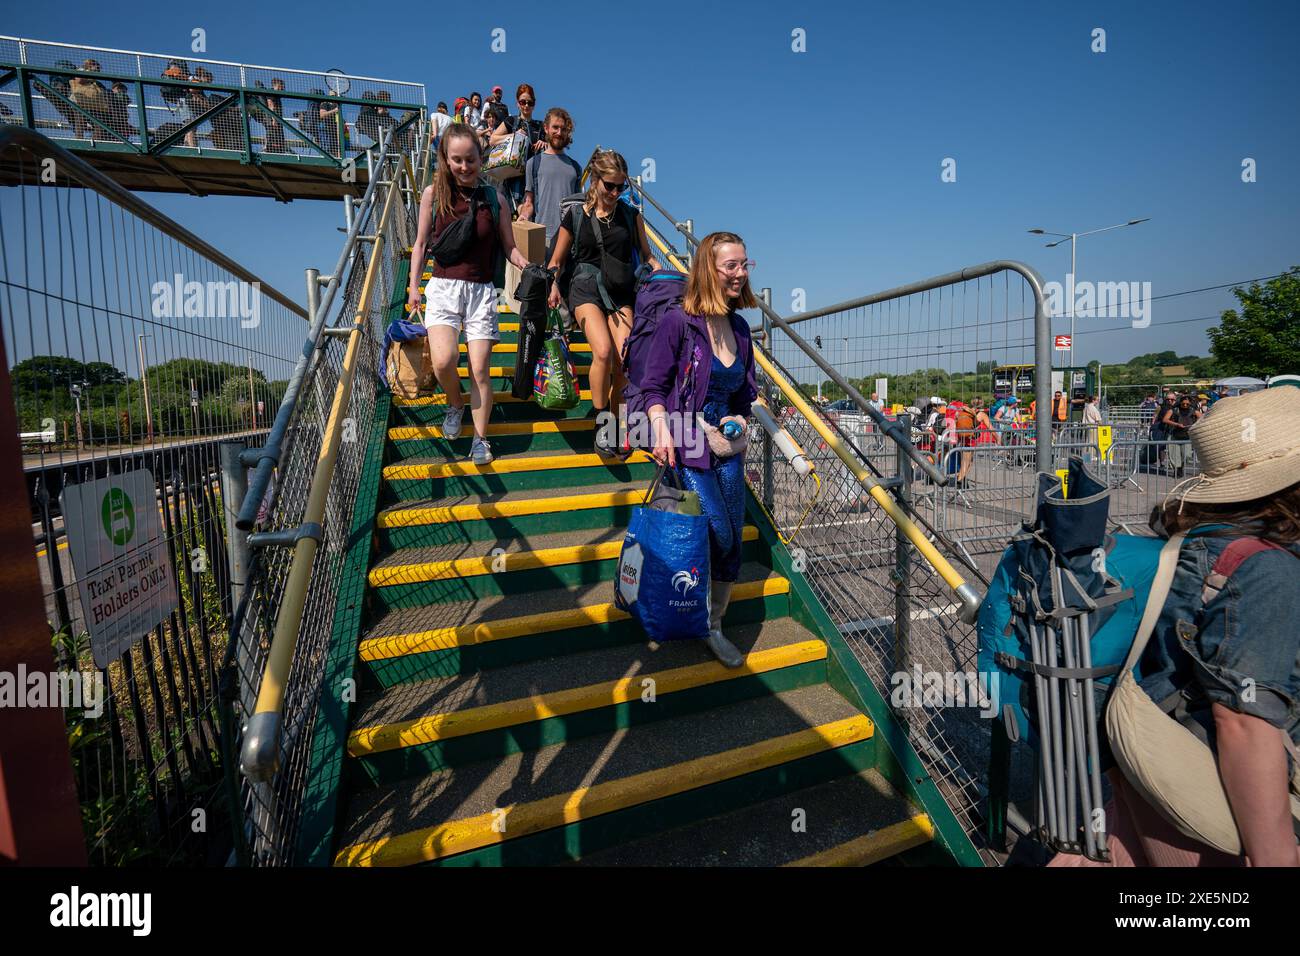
(700, 366)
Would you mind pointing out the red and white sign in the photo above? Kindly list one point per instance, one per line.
(1063, 343)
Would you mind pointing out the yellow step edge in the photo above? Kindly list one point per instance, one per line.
(408, 432)
(874, 847)
(509, 466)
(504, 563)
(500, 398)
(509, 713)
(468, 635)
(508, 371)
(584, 803)
(412, 517)
(514, 347)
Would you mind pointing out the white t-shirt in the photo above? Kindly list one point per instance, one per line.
(1091, 414)
(472, 116)
(439, 122)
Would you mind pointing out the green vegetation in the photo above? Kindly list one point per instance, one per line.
(1262, 339)
(112, 405)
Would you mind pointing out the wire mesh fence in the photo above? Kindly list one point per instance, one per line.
(133, 355)
(898, 616)
(271, 811)
(157, 102)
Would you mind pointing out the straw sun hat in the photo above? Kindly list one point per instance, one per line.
(1248, 447)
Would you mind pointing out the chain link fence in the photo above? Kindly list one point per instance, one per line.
(135, 349)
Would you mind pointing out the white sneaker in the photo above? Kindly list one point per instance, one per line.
(480, 452)
(451, 422)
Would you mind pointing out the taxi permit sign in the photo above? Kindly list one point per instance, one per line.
(119, 556)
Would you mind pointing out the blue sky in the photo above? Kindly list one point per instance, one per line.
(828, 161)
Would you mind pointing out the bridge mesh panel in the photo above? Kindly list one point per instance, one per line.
(849, 553)
(87, 290)
(272, 811)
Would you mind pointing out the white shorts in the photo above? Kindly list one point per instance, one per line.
(461, 304)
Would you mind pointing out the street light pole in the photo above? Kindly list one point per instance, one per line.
(1074, 238)
(144, 378)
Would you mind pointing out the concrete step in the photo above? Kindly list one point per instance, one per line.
(453, 721)
(457, 572)
(507, 514)
(460, 637)
(593, 792)
(854, 820)
(506, 438)
(436, 477)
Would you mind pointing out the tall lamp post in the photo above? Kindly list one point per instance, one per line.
(1074, 238)
(144, 378)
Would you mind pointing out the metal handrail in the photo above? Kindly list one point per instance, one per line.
(22, 41)
(92, 178)
(259, 758)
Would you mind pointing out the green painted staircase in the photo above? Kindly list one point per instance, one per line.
(501, 710)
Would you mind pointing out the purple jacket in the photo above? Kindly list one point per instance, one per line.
(678, 337)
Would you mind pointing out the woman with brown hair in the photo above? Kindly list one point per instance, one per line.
(1224, 657)
(699, 369)
(604, 237)
(462, 291)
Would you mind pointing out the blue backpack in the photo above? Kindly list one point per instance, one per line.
(656, 293)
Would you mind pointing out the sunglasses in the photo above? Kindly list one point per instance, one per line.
(527, 102)
(615, 188)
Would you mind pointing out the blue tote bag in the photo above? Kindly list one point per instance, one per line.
(663, 568)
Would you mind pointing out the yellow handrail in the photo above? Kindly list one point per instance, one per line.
(259, 760)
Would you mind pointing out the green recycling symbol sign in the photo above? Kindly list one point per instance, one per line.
(119, 516)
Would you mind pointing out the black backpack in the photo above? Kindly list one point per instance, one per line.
(454, 243)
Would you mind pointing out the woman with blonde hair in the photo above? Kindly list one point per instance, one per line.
(699, 372)
(603, 235)
(462, 291)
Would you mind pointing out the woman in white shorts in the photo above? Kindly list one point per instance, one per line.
(462, 293)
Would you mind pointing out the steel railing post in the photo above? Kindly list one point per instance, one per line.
(769, 493)
(902, 558)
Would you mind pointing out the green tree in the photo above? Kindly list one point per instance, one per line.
(1263, 338)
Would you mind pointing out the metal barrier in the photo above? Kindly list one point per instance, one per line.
(158, 104)
(137, 350)
(301, 497)
(897, 589)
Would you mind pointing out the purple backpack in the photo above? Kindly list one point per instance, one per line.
(655, 295)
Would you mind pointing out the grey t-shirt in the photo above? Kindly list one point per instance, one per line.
(550, 177)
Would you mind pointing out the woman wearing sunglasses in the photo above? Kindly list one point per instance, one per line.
(603, 234)
(699, 371)
(523, 120)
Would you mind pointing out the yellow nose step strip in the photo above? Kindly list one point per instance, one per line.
(514, 347)
(508, 371)
(505, 563)
(500, 398)
(412, 517)
(468, 635)
(881, 845)
(509, 713)
(584, 803)
(509, 466)
(562, 425)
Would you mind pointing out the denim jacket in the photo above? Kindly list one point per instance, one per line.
(1242, 649)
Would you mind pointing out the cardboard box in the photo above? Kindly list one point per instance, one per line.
(530, 237)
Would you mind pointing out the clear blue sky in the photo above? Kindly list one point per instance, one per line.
(828, 161)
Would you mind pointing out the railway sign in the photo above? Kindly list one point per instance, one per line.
(119, 556)
(1063, 343)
